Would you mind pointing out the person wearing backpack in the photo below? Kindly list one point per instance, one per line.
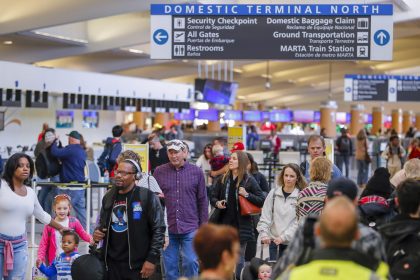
(112, 149)
(402, 235)
(394, 155)
(336, 259)
(344, 149)
(131, 225)
(47, 168)
(375, 207)
(304, 241)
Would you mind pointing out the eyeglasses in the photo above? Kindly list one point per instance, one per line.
(123, 173)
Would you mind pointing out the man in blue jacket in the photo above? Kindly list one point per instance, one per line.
(72, 159)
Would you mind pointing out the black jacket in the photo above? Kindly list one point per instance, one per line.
(145, 236)
(256, 196)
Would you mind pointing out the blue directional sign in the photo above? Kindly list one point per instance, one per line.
(381, 37)
(390, 88)
(160, 36)
(289, 31)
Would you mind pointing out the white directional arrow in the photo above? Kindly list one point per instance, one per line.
(159, 36)
(381, 36)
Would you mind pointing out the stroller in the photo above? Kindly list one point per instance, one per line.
(250, 271)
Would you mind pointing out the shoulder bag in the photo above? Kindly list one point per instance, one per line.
(247, 207)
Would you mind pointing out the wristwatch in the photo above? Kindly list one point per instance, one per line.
(246, 196)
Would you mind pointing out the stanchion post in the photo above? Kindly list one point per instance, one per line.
(33, 245)
(88, 206)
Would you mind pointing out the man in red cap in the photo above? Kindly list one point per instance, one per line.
(238, 146)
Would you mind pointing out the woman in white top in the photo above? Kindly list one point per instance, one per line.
(204, 161)
(17, 203)
(278, 222)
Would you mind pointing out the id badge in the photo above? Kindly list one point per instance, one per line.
(137, 210)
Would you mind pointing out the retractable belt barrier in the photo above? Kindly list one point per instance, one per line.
(88, 186)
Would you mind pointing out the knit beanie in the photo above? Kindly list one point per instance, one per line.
(379, 184)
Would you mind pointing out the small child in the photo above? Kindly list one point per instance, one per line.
(61, 266)
(264, 272)
(219, 160)
(50, 246)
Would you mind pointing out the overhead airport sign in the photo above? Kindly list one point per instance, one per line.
(381, 88)
(293, 32)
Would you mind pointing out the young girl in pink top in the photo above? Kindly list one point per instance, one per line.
(50, 245)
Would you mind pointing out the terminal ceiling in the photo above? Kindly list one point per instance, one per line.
(113, 37)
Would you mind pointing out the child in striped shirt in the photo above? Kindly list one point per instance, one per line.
(61, 266)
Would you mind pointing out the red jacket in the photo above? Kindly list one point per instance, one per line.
(48, 247)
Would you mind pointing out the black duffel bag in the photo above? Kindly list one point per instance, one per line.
(89, 266)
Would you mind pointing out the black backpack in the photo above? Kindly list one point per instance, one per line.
(46, 165)
(403, 255)
(103, 160)
(344, 146)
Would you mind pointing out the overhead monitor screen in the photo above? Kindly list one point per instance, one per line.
(233, 115)
(252, 116)
(303, 116)
(281, 116)
(185, 116)
(215, 91)
(210, 115)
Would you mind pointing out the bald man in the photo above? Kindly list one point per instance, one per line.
(369, 243)
(337, 228)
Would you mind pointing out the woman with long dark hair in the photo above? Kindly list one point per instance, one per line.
(225, 197)
(17, 203)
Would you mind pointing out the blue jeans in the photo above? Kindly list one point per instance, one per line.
(272, 249)
(78, 202)
(241, 261)
(362, 172)
(20, 259)
(343, 158)
(46, 194)
(180, 244)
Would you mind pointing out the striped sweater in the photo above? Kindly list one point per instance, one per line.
(311, 199)
(61, 266)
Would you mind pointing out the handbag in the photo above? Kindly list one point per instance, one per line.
(248, 208)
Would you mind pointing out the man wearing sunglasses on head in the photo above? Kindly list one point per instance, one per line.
(186, 203)
(132, 226)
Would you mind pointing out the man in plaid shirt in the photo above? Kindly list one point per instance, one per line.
(370, 241)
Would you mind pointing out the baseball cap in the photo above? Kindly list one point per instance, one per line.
(342, 186)
(74, 134)
(238, 146)
(176, 145)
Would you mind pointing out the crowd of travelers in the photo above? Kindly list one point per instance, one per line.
(202, 220)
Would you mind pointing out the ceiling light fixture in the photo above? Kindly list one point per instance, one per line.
(267, 79)
(60, 37)
(8, 42)
(135, 51)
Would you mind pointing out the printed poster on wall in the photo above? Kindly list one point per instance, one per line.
(64, 119)
(143, 151)
(329, 149)
(90, 119)
(236, 134)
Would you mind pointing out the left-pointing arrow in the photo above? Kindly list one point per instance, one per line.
(160, 36)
